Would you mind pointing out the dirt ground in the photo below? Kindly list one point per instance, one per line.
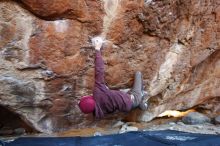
(157, 124)
(114, 128)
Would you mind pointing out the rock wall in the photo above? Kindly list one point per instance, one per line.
(47, 64)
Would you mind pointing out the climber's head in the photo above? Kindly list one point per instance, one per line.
(87, 104)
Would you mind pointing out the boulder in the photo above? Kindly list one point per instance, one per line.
(195, 118)
(19, 131)
(118, 124)
(125, 128)
(217, 120)
(47, 63)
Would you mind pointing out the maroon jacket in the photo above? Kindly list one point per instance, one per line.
(107, 101)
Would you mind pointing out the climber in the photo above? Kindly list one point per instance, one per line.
(105, 101)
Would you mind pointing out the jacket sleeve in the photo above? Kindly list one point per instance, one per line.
(98, 113)
(99, 68)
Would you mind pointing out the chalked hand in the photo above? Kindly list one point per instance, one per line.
(97, 43)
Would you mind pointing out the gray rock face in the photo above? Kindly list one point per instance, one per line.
(195, 118)
(217, 120)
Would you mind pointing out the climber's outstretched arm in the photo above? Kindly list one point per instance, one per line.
(99, 68)
(99, 63)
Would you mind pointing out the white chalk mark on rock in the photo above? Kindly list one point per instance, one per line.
(161, 80)
(148, 1)
(61, 26)
(111, 9)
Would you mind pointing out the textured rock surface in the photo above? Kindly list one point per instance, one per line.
(46, 61)
(217, 120)
(195, 118)
(126, 128)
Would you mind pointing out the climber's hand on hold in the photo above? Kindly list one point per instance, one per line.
(97, 43)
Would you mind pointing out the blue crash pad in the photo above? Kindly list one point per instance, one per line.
(140, 138)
